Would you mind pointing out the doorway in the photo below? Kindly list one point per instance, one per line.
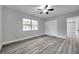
(72, 27)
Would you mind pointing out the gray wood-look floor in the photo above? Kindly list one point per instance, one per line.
(42, 45)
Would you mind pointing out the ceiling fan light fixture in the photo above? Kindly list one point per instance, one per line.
(44, 11)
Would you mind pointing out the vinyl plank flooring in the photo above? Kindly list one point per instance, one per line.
(53, 48)
(42, 45)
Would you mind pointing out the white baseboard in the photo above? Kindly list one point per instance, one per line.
(61, 37)
(57, 36)
(20, 39)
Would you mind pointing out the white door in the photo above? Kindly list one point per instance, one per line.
(72, 27)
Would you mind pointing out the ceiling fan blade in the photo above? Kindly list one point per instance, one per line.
(50, 9)
(45, 6)
(41, 12)
(47, 13)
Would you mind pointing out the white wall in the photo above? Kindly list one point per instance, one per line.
(61, 27)
(51, 27)
(61, 24)
(12, 25)
(56, 27)
(0, 26)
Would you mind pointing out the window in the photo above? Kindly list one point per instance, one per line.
(34, 25)
(29, 25)
(26, 25)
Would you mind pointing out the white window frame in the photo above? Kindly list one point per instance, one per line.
(30, 25)
(35, 26)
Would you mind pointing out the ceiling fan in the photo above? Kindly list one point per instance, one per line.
(45, 9)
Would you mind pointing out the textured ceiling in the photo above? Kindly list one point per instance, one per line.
(31, 9)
